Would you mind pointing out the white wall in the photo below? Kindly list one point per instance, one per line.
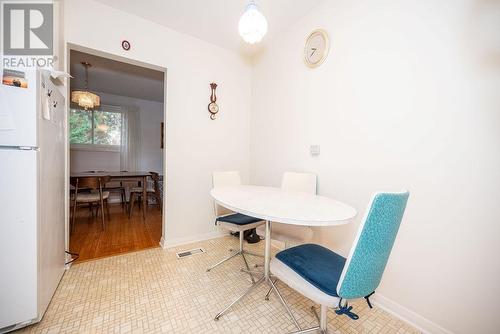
(151, 154)
(196, 145)
(409, 97)
(82, 160)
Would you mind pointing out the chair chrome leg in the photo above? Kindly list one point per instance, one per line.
(222, 261)
(270, 289)
(313, 310)
(253, 286)
(242, 252)
(323, 319)
(273, 286)
(248, 268)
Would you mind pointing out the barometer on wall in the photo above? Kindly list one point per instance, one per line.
(213, 108)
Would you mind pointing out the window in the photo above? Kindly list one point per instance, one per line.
(99, 128)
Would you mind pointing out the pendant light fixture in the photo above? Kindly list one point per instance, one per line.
(252, 25)
(85, 98)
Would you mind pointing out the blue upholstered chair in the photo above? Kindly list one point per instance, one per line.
(234, 222)
(329, 279)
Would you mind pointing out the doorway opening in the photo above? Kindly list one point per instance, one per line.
(116, 155)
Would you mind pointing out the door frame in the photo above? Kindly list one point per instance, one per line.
(74, 47)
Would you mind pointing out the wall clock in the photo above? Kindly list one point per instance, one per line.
(316, 48)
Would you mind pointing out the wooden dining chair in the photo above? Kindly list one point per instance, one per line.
(152, 190)
(114, 187)
(96, 195)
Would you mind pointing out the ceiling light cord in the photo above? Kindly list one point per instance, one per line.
(86, 65)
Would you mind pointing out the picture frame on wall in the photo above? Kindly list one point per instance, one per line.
(162, 143)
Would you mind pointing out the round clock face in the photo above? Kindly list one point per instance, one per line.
(316, 48)
(213, 108)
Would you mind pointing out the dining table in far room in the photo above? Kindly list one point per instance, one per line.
(122, 176)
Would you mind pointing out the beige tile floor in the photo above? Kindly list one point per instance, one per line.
(152, 291)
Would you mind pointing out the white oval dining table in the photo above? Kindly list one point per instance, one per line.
(277, 205)
(288, 207)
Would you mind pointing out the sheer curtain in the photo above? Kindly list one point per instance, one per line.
(130, 139)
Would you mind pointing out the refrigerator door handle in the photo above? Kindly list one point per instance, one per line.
(17, 148)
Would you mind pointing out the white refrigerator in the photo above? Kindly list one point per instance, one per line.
(32, 166)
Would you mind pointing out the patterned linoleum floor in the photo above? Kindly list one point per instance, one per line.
(152, 291)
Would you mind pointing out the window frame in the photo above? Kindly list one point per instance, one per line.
(98, 147)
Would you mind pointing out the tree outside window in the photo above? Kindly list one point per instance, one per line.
(95, 127)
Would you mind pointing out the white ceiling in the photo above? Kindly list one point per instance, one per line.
(114, 77)
(216, 21)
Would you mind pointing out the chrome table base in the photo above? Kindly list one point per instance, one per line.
(241, 252)
(267, 278)
(261, 280)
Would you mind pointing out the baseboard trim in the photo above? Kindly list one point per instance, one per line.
(169, 243)
(412, 318)
(162, 242)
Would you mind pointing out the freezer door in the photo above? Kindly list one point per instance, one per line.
(18, 236)
(19, 112)
(51, 224)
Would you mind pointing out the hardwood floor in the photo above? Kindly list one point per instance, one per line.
(121, 234)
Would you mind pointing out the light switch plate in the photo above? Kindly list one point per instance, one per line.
(315, 150)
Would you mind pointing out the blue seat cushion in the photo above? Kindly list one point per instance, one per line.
(238, 219)
(316, 264)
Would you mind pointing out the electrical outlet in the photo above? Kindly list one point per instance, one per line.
(315, 150)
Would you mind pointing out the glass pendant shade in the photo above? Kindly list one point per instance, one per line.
(252, 25)
(84, 98)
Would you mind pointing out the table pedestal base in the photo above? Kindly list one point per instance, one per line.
(271, 284)
(241, 252)
(266, 278)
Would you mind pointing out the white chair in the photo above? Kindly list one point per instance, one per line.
(234, 222)
(293, 234)
(328, 278)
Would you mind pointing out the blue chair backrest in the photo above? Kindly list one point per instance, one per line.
(373, 244)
